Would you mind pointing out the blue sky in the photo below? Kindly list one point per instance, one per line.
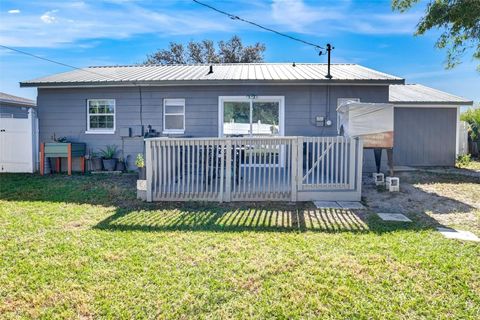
(83, 33)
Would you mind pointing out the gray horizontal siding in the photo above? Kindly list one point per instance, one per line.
(62, 112)
(8, 111)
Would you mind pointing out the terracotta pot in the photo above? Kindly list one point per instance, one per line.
(96, 164)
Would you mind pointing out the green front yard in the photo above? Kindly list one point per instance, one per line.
(83, 247)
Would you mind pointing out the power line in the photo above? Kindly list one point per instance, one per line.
(59, 63)
(235, 17)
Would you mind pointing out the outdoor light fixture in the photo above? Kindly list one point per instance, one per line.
(251, 96)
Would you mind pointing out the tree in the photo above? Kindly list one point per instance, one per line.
(231, 51)
(472, 117)
(459, 20)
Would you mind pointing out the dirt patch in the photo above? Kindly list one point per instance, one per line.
(439, 198)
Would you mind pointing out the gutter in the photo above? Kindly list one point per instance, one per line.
(91, 84)
(18, 103)
(432, 103)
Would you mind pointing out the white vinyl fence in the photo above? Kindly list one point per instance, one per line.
(19, 143)
(462, 138)
(253, 169)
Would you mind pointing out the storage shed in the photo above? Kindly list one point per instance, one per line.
(426, 125)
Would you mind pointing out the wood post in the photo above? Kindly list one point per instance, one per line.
(352, 162)
(149, 168)
(295, 150)
(359, 161)
(390, 160)
(69, 158)
(42, 158)
(228, 171)
(82, 164)
(58, 165)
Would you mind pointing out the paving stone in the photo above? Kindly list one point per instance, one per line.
(351, 205)
(326, 205)
(393, 217)
(458, 234)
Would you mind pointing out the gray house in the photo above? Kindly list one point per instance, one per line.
(120, 104)
(14, 107)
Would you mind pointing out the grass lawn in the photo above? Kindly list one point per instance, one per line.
(84, 247)
(473, 165)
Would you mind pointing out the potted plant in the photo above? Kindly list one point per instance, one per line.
(108, 157)
(95, 162)
(140, 163)
(120, 165)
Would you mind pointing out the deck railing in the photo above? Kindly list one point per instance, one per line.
(252, 169)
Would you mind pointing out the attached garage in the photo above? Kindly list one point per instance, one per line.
(426, 125)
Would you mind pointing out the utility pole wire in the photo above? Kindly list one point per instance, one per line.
(59, 63)
(235, 17)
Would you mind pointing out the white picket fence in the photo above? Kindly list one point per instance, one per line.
(253, 169)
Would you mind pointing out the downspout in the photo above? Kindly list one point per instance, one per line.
(141, 106)
(327, 113)
(141, 117)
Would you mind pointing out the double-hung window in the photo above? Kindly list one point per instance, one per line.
(174, 116)
(101, 116)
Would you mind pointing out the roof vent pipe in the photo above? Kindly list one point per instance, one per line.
(211, 70)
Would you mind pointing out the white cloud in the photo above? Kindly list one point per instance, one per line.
(71, 22)
(14, 11)
(49, 16)
(53, 23)
(299, 17)
(327, 17)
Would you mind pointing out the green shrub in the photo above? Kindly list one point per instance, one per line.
(109, 152)
(463, 160)
(472, 117)
(139, 162)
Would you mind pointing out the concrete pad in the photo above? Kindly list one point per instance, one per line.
(142, 190)
(106, 172)
(403, 168)
(351, 205)
(393, 217)
(458, 234)
(326, 205)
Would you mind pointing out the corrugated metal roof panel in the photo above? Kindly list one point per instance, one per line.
(420, 94)
(221, 72)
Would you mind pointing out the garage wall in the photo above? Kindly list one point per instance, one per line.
(425, 136)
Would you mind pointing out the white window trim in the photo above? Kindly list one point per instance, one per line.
(174, 102)
(280, 99)
(102, 131)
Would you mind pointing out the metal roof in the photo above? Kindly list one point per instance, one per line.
(419, 94)
(11, 99)
(238, 73)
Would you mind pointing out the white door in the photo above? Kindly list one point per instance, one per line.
(254, 117)
(16, 145)
(245, 116)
